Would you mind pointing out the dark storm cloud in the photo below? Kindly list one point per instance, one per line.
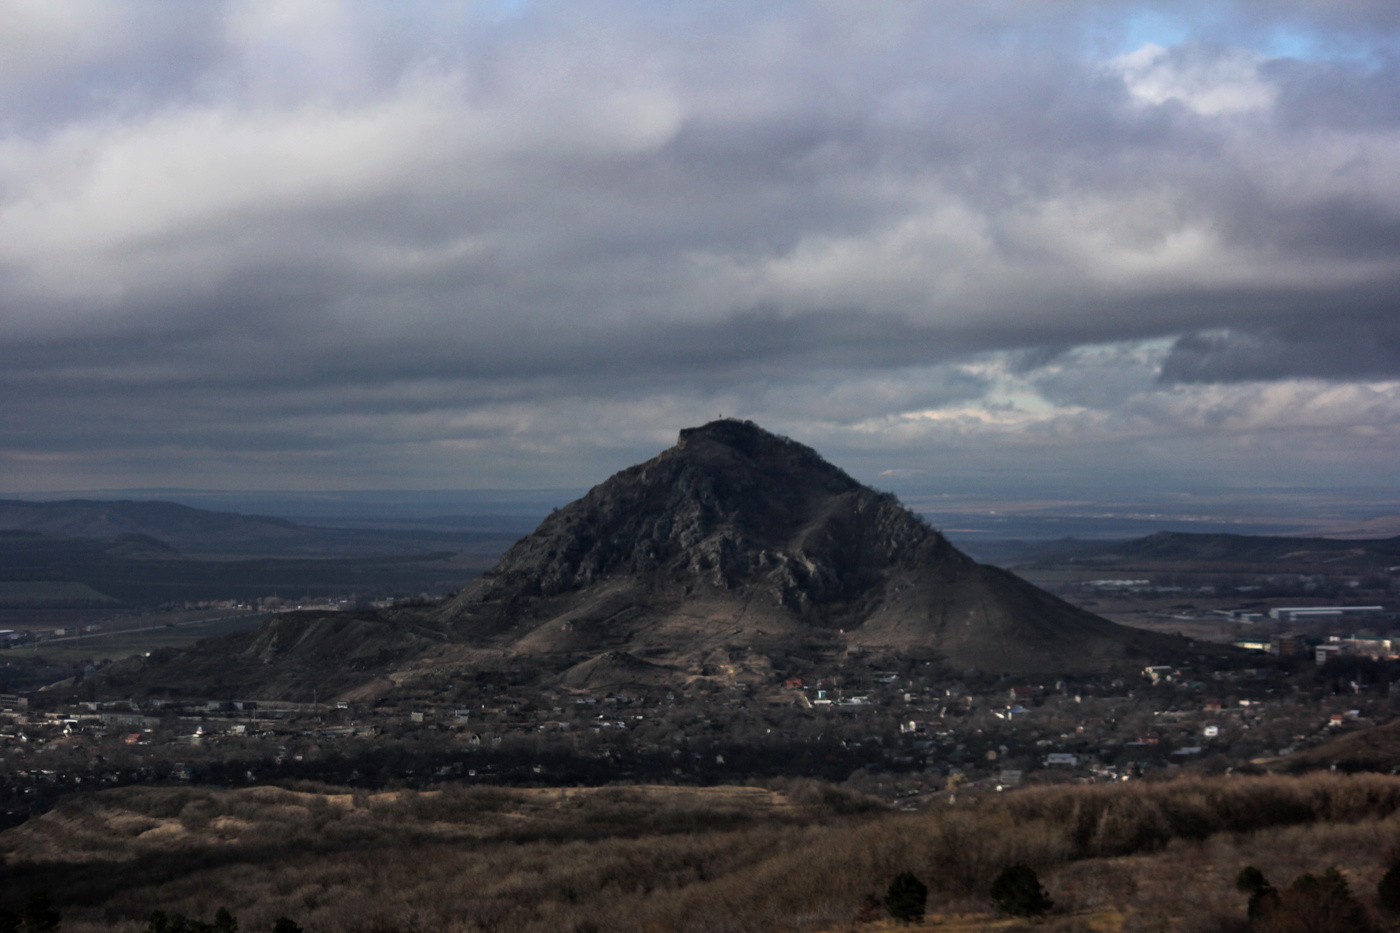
(333, 231)
(1325, 346)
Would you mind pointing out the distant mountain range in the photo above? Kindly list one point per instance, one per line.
(144, 554)
(732, 557)
(44, 571)
(1226, 553)
(200, 533)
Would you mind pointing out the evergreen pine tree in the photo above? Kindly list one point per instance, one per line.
(225, 922)
(906, 898)
(1250, 879)
(1316, 904)
(1017, 891)
(1263, 898)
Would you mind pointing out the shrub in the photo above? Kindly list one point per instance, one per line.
(1263, 898)
(1313, 904)
(1017, 891)
(1250, 880)
(906, 898)
(1263, 903)
(161, 922)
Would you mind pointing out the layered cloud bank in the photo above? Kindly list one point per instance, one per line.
(260, 244)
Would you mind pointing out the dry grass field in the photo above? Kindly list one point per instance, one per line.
(800, 857)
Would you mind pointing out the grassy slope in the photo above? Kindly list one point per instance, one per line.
(1130, 857)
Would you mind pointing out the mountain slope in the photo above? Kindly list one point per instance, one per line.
(297, 655)
(738, 537)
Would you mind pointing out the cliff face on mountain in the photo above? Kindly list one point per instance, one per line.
(738, 538)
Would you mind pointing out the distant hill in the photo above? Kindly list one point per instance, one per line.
(293, 655)
(177, 525)
(31, 549)
(55, 571)
(1373, 749)
(202, 533)
(1230, 553)
(51, 594)
(50, 571)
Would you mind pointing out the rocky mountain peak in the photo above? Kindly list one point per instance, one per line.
(731, 506)
(744, 440)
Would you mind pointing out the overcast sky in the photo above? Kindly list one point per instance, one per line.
(337, 245)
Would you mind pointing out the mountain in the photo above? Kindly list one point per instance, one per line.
(736, 556)
(737, 545)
